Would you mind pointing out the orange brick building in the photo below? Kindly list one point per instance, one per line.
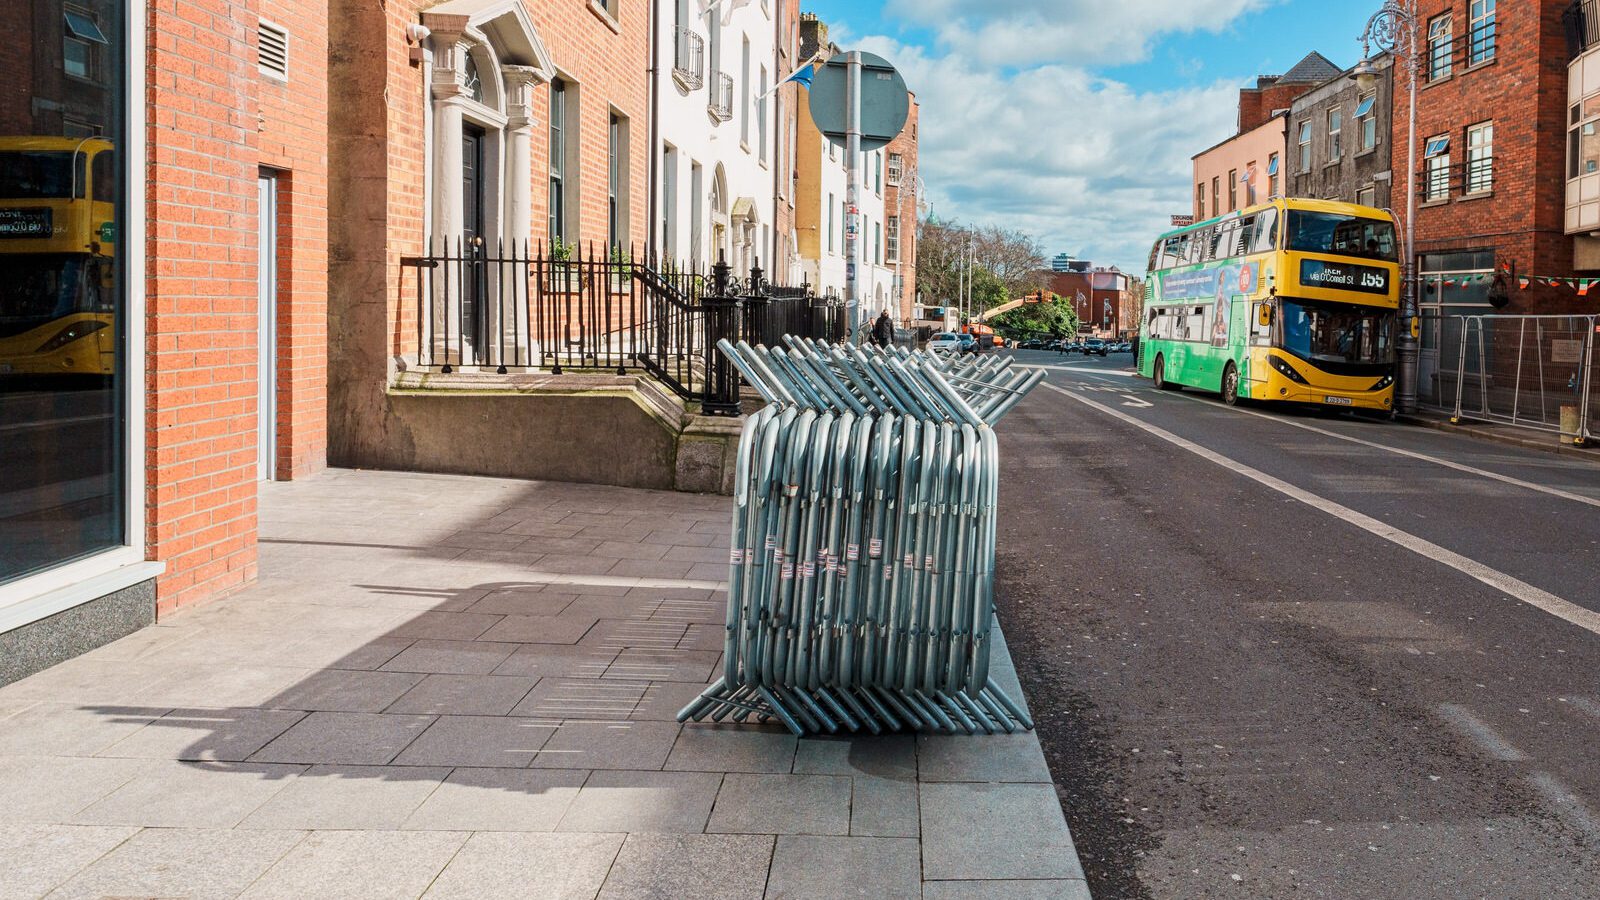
(191, 367)
(440, 107)
(900, 214)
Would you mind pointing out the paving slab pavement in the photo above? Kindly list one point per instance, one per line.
(446, 686)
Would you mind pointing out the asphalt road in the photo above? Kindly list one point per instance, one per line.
(1270, 656)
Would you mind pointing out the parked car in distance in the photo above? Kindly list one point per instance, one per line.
(1095, 346)
(969, 343)
(945, 342)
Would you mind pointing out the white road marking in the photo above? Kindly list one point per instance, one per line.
(1135, 402)
(1587, 705)
(1517, 589)
(1482, 733)
(1566, 803)
(1459, 467)
(1123, 373)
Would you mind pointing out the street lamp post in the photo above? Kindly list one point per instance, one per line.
(1393, 29)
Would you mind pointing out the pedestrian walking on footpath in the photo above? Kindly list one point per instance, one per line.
(883, 330)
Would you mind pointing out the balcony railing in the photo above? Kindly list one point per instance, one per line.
(1582, 20)
(721, 105)
(689, 59)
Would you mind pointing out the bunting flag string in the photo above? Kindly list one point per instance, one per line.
(1524, 282)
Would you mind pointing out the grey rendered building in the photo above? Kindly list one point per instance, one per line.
(1339, 141)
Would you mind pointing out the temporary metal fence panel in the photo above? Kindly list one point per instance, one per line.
(1533, 372)
(861, 582)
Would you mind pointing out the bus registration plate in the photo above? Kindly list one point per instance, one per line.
(1338, 401)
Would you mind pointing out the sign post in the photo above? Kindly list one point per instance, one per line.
(852, 196)
(860, 103)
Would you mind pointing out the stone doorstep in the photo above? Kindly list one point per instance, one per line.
(708, 446)
(648, 392)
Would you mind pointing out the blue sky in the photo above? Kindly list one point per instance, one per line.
(1074, 120)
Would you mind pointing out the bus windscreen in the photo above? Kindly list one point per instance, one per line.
(1341, 235)
(1338, 333)
(36, 175)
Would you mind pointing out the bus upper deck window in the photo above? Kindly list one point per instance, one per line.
(1264, 239)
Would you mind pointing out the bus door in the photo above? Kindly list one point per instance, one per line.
(1259, 323)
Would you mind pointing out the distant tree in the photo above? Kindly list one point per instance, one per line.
(1054, 316)
(1004, 263)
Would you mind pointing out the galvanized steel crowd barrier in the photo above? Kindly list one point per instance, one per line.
(861, 586)
(1535, 372)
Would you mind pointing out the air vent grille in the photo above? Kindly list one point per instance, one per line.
(272, 53)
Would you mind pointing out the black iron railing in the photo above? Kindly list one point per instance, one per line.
(1582, 21)
(558, 309)
(689, 58)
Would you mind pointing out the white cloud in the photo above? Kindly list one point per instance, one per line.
(1085, 32)
(1088, 165)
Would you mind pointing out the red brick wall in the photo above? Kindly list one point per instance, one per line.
(16, 59)
(902, 201)
(610, 69)
(201, 291)
(1256, 106)
(1524, 91)
(293, 140)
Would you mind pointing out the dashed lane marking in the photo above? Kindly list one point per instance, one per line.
(1411, 454)
(1481, 733)
(1520, 590)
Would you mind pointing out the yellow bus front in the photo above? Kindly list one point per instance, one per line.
(1326, 332)
(57, 237)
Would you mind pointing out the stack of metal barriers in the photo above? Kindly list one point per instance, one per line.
(862, 566)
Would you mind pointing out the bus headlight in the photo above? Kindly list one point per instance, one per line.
(1383, 382)
(75, 331)
(1286, 370)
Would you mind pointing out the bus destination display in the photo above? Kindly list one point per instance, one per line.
(25, 223)
(1343, 276)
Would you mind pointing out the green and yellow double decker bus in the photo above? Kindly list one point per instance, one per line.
(1292, 301)
(57, 239)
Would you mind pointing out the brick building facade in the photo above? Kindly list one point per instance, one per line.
(1102, 298)
(1340, 140)
(186, 314)
(1490, 175)
(900, 202)
(207, 195)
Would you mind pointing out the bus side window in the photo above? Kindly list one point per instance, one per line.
(1155, 258)
(1173, 253)
(1243, 237)
(1265, 237)
(103, 178)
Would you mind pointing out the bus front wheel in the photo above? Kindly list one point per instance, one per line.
(1230, 385)
(1159, 376)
